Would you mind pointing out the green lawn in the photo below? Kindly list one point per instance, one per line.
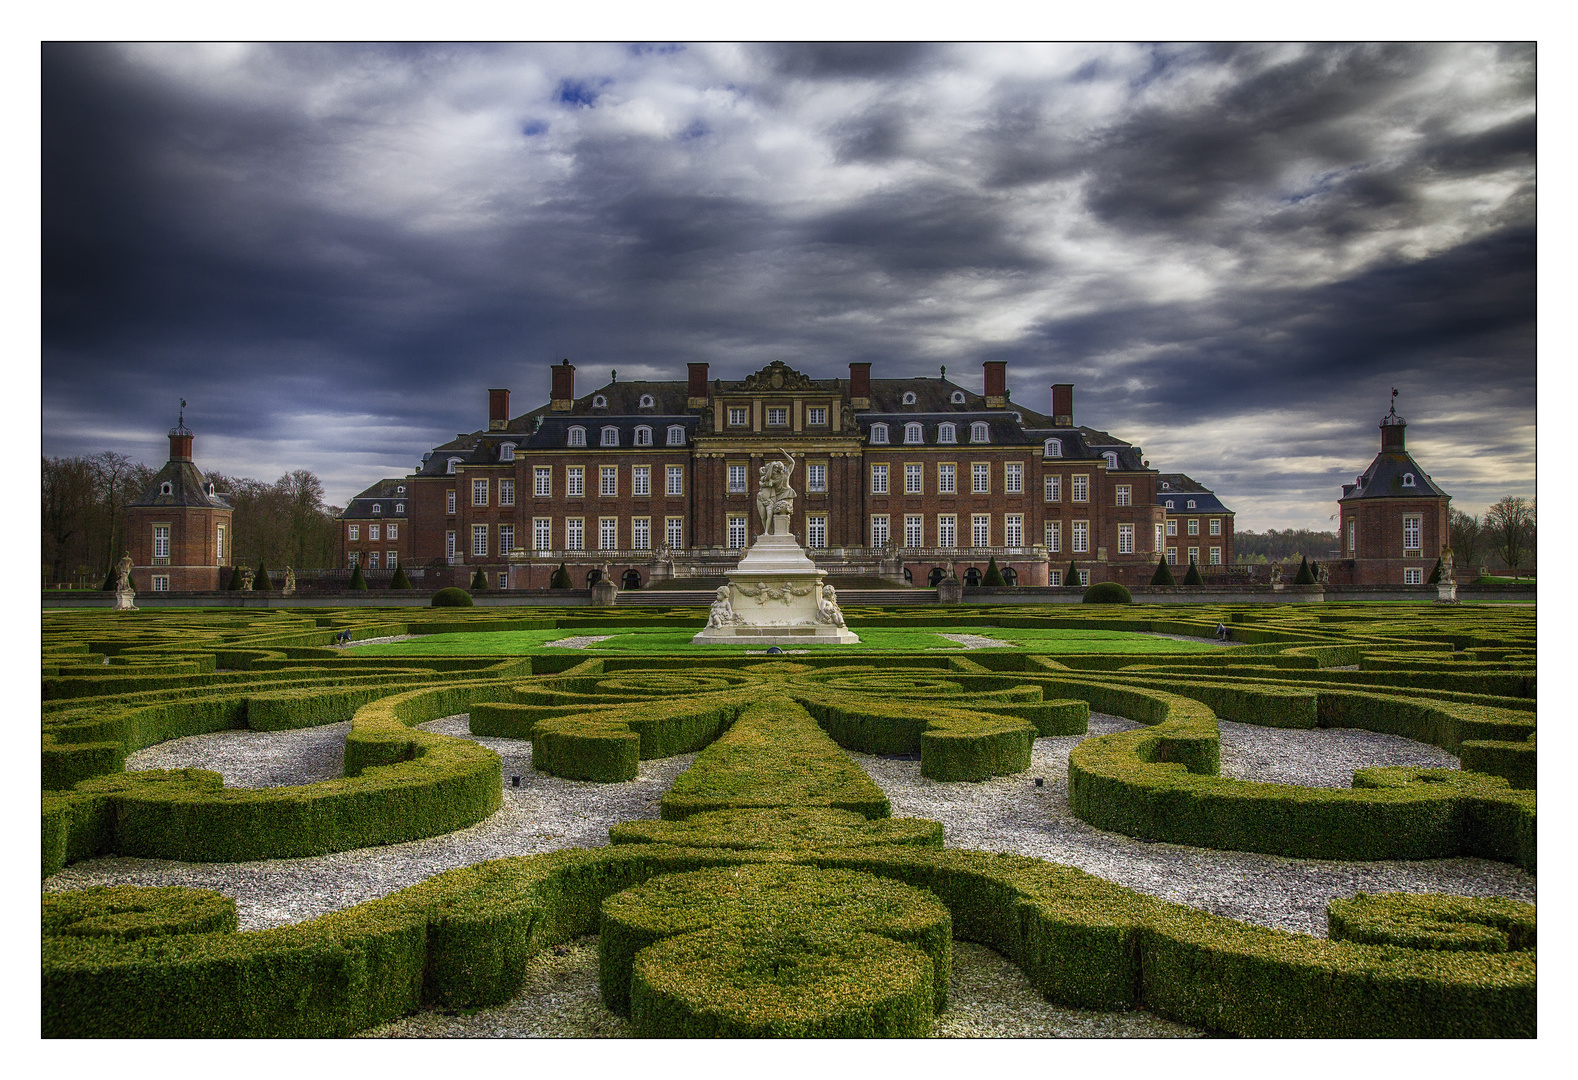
(875, 639)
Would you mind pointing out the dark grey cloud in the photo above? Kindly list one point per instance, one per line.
(334, 250)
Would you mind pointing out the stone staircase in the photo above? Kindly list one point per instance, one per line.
(704, 597)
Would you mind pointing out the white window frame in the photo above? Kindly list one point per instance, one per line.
(399, 508)
(980, 432)
(1055, 578)
(450, 466)
(1215, 556)
(479, 540)
(914, 530)
(1122, 495)
(609, 436)
(575, 481)
(879, 479)
(738, 479)
(1052, 487)
(737, 533)
(1193, 527)
(1194, 555)
(1013, 530)
(1352, 531)
(219, 544)
(641, 480)
(507, 451)
(161, 583)
(646, 402)
(1080, 538)
(777, 416)
(479, 493)
(945, 433)
(676, 434)
(947, 530)
(912, 479)
(1052, 448)
(816, 530)
(506, 492)
(1172, 556)
(378, 508)
(879, 434)
(1111, 459)
(879, 530)
(643, 435)
(575, 534)
(816, 416)
(1125, 539)
(1158, 544)
(1054, 536)
(1172, 526)
(542, 534)
(980, 478)
(980, 530)
(674, 533)
(608, 480)
(543, 481)
(1079, 488)
(373, 560)
(392, 531)
(947, 478)
(641, 534)
(576, 437)
(449, 501)
(607, 534)
(373, 530)
(161, 541)
(352, 532)
(353, 559)
(816, 477)
(1413, 532)
(449, 544)
(739, 415)
(506, 539)
(391, 559)
(1214, 527)
(909, 397)
(912, 434)
(1413, 575)
(675, 480)
(1014, 477)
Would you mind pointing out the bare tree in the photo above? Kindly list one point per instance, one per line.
(1467, 538)
(1510, 523)
(67, 517)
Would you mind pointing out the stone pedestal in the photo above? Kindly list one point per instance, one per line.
(123, 600)
(950, 590)
(604, 593)
(774, 592)
(1446, 594)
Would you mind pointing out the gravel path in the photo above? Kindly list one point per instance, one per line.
(254, 759)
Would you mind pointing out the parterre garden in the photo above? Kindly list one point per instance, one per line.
(775, 894)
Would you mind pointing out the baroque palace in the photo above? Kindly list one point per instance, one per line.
(907, 479)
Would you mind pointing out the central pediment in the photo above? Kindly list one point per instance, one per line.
(777, 376)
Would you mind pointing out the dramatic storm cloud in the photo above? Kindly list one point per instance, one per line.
(1234, 252)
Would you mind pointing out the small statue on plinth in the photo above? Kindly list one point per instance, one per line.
(775, 496)
(722, 613)
(1276, 574)
(1446, 568)
(827, 607)
(1324, 577)
(124, 590)
(290, 582)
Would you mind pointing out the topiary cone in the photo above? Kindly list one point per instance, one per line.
(1304, 577)
(399, 581)
(1164, 574)
(479, 580)
(994, 576)
(1071, 578)
(237, 581)
(1192, 576)
(358, 579)
(560, 578)
(261, 583)
(1435, 575)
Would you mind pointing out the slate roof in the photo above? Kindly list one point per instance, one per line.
(1181, 489)
(187, 488)
(1384, 479)
(386, 493)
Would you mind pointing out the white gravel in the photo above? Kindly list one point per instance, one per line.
(577, 642)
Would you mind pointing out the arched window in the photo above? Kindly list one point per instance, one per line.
(507, 451)
(1054, 448)
(378, 508)
(210, 489)
(912, 433)
(945, 433)
(646, 401)
(676, 434)
(643, 436)
(1166, 486)
(958, 397)
(599, 402)
(167, 488)
(909, 397)
(610, 436)
(979, 432)
(400, 490)
(879, 434)
(1408, 479)
(577, 438)
(1112, 459)
(450, 469)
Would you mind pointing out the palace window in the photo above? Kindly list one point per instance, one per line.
(506, 540)
(1080, 488)
(1084, 577)
(945, 433)
(980, 530)
(372, 560)
(608, 533)
(391, 559)
(738, 416)
(912, 433)
(1172, 527)
(674, 533)
(816, 531)
(879, 434)
(1081, 536)
(643, 436)
(676, 480)
(161, 541)
(912, 479)
(353, 559)
(574, 534)
(816, 416)
(1111, 458)
(393, 532)
(608, 480)
(958, 397)
(219, 544)
(1014, 477)
(912, 531)
(1216, 556)
(1413, 575)
(879, 530)
(676, 435)
(641, 533)
(1014, 530)
(1194, 555)
(507, 451)
(1216, 527)
(575, 480)
(577, 436)
(450, 467)
(736, 479)
(1408, 479)
(1054, 488)
(737, 524)
(1121, 496)
(352, 532)
(1054, 448)
(542, 479)
(1158, 543)
(506, 493)
(1351, 526)
(909, 397)
(1172, 556)
(1189, 505)
(980, 478)
(1125, 539)
(945, 479)
(542, 534)
(161, 583)
(479, 539)
(449, 544)
(646, 401)
(816, 478)
(980, 432)
(1411, 532)
(1169, 504)
(372, 532)
(449, 501)
(1194, 527)
(599, 402)
(1054, 535)
(399, 508)
(777, 416)
(1055, 578)
(641, 479)
(479, 493)
(610, 436)
(946, 524)
(879, 479)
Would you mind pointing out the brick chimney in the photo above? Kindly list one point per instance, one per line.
(180, 444)
(498, 409)
(1392, 427)
(996, 383)
(860, 385)
(563, 398)
(1063, 405)
(696, 393)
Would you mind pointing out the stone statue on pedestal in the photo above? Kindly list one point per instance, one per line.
(774, 495)
(1447, 577)
(827, 607)
(124, 591)
(722, 613)
(290, 582)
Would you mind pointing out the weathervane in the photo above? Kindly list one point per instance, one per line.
(181, 417)
(1394, 401)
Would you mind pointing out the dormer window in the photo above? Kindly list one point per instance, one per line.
(167, 488)
(1189, 505)
(647, 402)
(1169, 504)
(610, 437)
(450, 469)
(1112, 459)
(643, 436)
(210, 489)
(676, 435)
(400, 490)
(980, 432)
(1408, 479)
(909, 397)
(945, 433)
(1054, 448)
(1166, 486)
(399, 508)
(577, 437)
(879, 434)
(378, 508)
(912, 432)
(599, 402)
(506, 453)
(958, 397)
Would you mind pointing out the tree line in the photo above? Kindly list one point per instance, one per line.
(84, 517)
(1506, 536)
(1283, 545)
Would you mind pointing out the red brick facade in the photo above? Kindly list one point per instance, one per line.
(178, 533)
(1392, 524)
